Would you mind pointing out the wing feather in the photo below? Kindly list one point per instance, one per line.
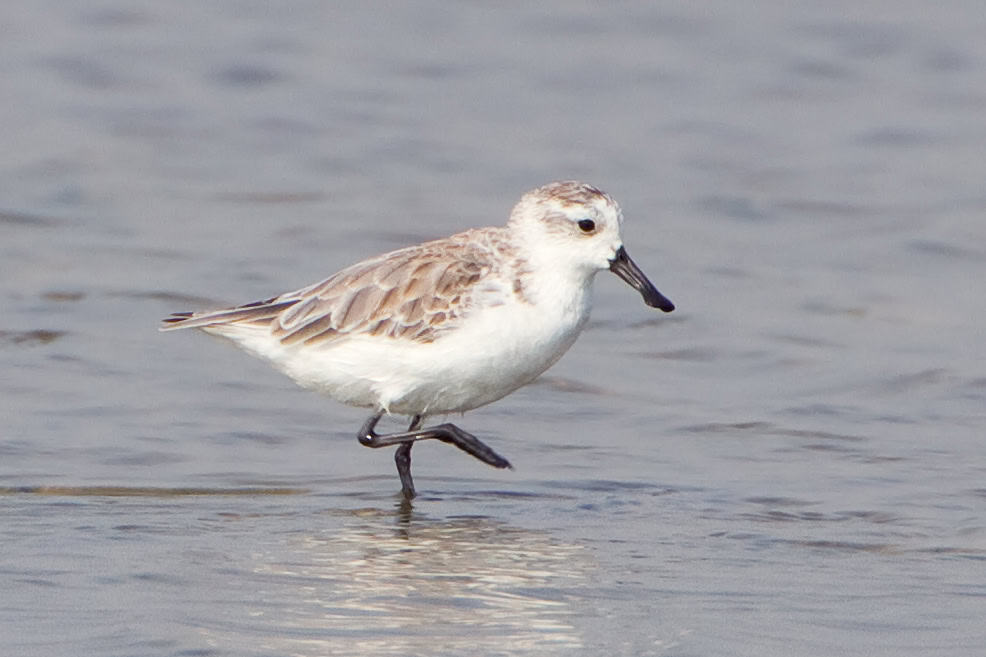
(413, 293)
(405, 295)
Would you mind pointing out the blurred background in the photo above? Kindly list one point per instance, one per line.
(789, 464)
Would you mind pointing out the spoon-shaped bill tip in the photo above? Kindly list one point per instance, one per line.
(627, 269)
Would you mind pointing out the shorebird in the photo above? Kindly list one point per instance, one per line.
(445, 326)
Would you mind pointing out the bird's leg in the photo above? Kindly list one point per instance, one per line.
(403, 459)
(447, 433)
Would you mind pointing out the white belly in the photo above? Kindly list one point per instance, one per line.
(489, 355)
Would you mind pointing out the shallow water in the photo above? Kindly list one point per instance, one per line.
(789, 464)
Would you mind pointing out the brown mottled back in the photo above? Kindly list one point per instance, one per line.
(412, 293)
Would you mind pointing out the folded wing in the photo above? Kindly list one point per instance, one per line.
(411, 294)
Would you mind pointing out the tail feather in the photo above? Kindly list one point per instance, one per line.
(256, 313)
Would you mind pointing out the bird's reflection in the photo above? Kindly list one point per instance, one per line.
(403, 583)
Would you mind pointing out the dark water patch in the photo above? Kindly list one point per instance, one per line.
(895, 137)
(271, 198)
(975, 553)
(247, 75)
(857, 39)
(567, 447)
(26, 219)
(492, 493)
(31, 338)
(944, 59)
(133, 528)
(835, 444)
(726, 427)
(803, 340)
(819, 409)
(814, 440)
(687, 354)
(894, 549)
(113, 17)
(176, 298)
(876, 517)
(827, 447)
(821, 307)
(819, 69)
(146, 491)
(256, 437)
(147, 459)
(65, 358)
(159, 578)
(562, 384)
(14, 449)
(946, 250)
(727, 271)
(846, 546)
(788, 514)
(84, 72)
(611, 486)
(878, 458)
(768, 428)
(35, 581)
(974, 390)
(773, 515)
(900, 419)
(778, 501)
(63, 296)
(916, 381)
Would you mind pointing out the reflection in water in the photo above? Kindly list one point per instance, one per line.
(408, 585)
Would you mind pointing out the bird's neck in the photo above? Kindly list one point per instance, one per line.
(548, 280)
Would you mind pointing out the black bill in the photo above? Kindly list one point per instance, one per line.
(627, 269)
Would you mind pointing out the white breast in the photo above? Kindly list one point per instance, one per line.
(492, 352)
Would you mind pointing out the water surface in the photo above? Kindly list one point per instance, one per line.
(789, 464)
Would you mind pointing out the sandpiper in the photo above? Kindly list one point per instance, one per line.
(445, 326)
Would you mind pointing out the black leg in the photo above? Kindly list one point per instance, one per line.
(403, 459)
(447, 433)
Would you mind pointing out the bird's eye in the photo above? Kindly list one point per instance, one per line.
(587, 225)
